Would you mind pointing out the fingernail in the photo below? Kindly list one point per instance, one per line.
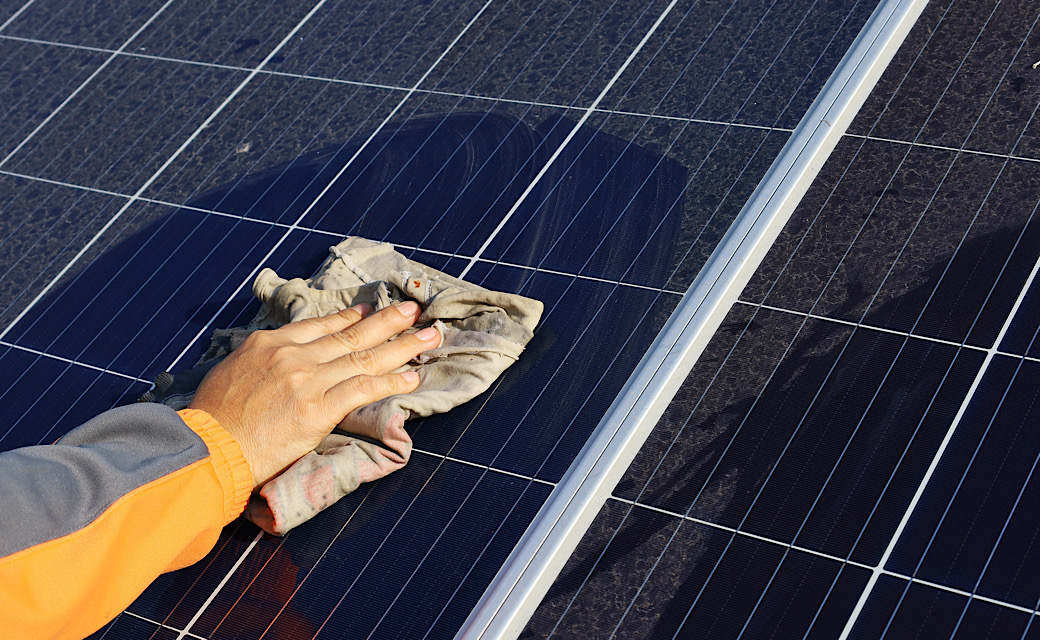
(410, 377)
(429, 334)
(408, 309)
(364, 309)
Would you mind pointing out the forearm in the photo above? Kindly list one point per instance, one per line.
(90, 521)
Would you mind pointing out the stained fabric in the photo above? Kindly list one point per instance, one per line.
(482, 333)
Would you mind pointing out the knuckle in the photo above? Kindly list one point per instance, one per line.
(348, 339)
(365, 385)
(366, 360)
(258, 338)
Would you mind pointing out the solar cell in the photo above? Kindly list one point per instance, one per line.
(31, 253)
(51, 72)
(973, 532)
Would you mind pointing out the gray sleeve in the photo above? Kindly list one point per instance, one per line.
(49, 491)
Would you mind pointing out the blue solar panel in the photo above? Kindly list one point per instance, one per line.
(587, 154)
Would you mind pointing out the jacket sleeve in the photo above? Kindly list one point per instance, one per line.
(87, 523)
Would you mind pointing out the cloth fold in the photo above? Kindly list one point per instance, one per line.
(482, 333)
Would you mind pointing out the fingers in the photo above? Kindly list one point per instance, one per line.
(314, 328)
(366, 389)
(385, 357)
(365, 334)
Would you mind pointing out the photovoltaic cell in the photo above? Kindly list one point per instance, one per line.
(35, 74)
(120, 129)
(110, 313)
(242, 34)
(381, 43)
(975, 531)
(551, 51)
(43, 226)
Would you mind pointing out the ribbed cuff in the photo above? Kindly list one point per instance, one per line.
(234, 473)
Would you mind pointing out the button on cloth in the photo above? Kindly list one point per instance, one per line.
(482, 333)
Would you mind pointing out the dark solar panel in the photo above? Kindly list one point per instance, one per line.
(587, 154)
(853, 452)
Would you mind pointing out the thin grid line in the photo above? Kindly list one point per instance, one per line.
(158, 624)
(719, 462)
(530, 103)
(16, 14)
(83, 85)
(734, 531)
(895, 332)
(477, 465)
(990, 353)
(739, 110)
(939, 147)
(826, 556)
(144, 187)
(37, 352)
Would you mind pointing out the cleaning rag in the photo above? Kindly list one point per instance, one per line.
(482, 333)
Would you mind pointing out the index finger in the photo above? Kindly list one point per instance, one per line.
(311, 329)
(368, 333)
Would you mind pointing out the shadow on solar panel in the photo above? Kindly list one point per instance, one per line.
(163, 278)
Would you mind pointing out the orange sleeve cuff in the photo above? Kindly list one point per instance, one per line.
(233, 472)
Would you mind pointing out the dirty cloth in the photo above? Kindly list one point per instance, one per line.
(482, 333)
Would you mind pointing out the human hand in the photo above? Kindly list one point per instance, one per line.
(285, 389)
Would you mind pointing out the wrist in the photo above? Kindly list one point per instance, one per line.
(229, 461)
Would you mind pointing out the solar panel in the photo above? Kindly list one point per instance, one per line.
(849, 456)
(587, 154)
